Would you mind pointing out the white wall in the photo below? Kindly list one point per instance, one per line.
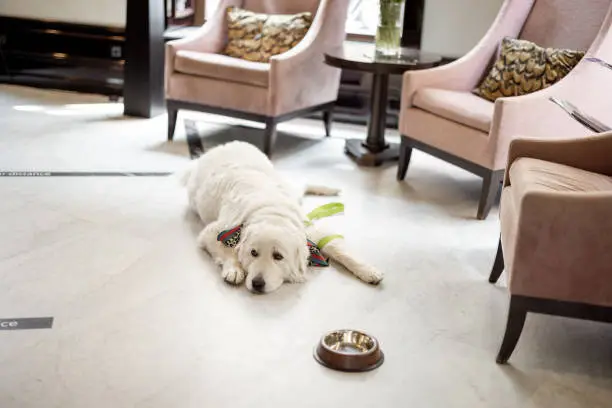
(95, 12)
(452, 27)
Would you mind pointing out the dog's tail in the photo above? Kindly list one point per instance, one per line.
(311, 189)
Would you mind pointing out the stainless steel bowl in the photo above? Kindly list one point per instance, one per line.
(349, 350)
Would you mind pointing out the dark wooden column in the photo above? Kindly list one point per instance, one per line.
(413, 23)
(143, 89)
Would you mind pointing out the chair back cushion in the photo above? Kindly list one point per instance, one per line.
(256, 36)
(571, 24)
(281, 6)
(524, 67)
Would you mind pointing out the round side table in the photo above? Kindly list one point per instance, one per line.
(362, 57)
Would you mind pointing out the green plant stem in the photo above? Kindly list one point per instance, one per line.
(390, 11)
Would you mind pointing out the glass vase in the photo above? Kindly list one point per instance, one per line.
(389, 30)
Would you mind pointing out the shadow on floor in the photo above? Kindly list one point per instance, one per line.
(200, 141)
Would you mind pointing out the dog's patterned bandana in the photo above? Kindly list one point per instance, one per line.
(315, 258)
(231, 237)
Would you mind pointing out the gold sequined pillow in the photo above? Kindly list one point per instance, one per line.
(257, 37)
(524, 67)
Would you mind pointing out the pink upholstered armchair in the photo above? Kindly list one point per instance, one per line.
(556, 231)
(440, 116)
(199, 78)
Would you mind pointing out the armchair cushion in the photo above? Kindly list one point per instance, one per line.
(221, 67)
(461, 107)
(257, 37)
(533, 175)
(524, 67)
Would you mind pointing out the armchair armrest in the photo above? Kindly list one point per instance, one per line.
(590, 153)
(535, 115)
(563, 247)
(464, 73)
(299, 77)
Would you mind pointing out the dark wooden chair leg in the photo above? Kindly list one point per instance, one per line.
(328, 117)
(269, 136)
(498, 265)
(490, 188)
(172, 115)
(404, 159)
(516, 320)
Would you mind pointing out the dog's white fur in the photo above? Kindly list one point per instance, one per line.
(236, 184)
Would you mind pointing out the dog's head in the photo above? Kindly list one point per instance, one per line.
(272, 254)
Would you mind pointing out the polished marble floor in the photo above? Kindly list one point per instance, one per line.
(143, 320)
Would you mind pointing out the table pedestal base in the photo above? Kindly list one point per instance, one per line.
(365, 157)
(375, 150)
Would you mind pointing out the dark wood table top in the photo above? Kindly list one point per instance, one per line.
(361, 56)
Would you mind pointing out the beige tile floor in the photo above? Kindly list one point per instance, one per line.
(143, 320)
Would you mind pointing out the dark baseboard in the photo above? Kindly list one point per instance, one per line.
(62, 55)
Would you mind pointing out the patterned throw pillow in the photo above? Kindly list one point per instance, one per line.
(524, 67)
(257, 37)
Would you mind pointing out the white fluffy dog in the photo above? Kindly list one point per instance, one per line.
(253, 220)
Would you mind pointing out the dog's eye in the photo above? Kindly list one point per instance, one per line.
(277, 256)
(254, 253)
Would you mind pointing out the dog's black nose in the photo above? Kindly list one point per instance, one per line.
(258, 283)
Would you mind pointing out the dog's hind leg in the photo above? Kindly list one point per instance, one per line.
(231, 271)
(337, 250)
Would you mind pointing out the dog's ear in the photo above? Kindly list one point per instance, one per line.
(301, 264)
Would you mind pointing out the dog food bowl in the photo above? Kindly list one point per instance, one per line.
(349, 350)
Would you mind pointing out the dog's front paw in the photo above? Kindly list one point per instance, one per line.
(233, 274)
